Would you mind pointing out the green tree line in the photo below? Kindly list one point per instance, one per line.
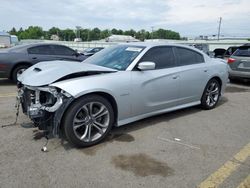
(36, 32)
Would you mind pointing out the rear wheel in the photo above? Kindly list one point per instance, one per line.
(88, 120)
(211, 94)
(18, 71)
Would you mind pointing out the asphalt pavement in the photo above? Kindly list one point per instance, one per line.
(185, 148)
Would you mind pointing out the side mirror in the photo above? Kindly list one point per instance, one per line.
(146, 65)
(76, 53)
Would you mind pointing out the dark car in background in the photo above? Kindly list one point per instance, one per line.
(91, 51)
(14, 61)
(230, 51)
(239, 63)
(219, 52)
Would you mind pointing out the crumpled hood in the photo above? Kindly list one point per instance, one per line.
(45, 73)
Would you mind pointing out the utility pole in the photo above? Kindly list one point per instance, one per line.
(78, 35)
(219, 28)
(152, 27)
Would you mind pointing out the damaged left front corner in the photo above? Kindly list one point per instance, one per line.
(41, 103)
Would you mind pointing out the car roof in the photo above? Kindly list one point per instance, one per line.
(155, 44)
(24, 47)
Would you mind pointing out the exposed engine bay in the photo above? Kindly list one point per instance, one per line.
(41, 104)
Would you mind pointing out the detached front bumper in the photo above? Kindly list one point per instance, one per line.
(43, 105)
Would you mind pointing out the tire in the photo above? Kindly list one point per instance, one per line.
(88, 120)
(18, 70)
(211, 94)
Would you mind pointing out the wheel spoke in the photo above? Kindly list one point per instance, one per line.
(89, 132)
(98, 128)
(78, 125)
(208, 100)
(90, 108)
(213, 86)
(85, 132)
(76, 120)
(212, 99)
(215, 91)
(102, 111)
(85, 109)
(100, 124)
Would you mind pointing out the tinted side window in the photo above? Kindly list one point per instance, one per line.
(163, 57)
(62, 50)
(188, 57)
(44, 50)
(242, 51)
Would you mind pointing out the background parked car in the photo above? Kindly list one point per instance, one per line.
(239, 63)
(14, 61)
(219, 52)
(91, 51)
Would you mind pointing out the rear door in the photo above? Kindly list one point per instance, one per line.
(40, 53)
(240, 60)
(193, 74)
(156, 89)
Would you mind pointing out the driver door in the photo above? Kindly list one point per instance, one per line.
(158, 89)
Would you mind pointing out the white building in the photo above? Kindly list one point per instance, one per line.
(5, 40)
(121, 38)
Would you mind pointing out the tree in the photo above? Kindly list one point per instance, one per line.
(68, 34)
(13, 31)
(165, 34)
(33, 32)
(55, 31)
(130, 32)
(95, 34)
(36, 32)
(114, 31)
(105, 33)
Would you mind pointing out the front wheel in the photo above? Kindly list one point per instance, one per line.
(88, 120)
(211, 94)
(18, 71)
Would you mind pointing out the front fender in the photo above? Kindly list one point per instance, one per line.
(117, 85)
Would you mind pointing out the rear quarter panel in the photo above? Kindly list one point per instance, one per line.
(10, 60)
(218, 68)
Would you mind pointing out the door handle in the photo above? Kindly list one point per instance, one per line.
(175, 77)
(34, 57)
(205, 70)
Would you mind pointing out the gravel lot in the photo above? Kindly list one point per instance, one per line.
(178, 149)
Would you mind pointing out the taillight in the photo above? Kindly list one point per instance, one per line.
(231, 60)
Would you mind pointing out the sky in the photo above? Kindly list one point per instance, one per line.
(188, 17)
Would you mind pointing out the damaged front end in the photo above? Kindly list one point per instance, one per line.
(44, 106)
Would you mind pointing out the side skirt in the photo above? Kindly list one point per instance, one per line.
(136, 118)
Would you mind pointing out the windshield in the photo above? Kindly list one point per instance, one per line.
(88, 50)
(117, 57)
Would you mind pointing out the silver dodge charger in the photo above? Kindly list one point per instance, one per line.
(118, 85)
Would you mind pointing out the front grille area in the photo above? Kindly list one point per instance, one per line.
(27, 98)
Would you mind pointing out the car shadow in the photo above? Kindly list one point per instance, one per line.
(122, 134)
(166, 117)
(6, 82)
(241, 82)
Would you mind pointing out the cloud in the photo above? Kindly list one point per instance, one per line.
(190, 11)
(184, 16)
